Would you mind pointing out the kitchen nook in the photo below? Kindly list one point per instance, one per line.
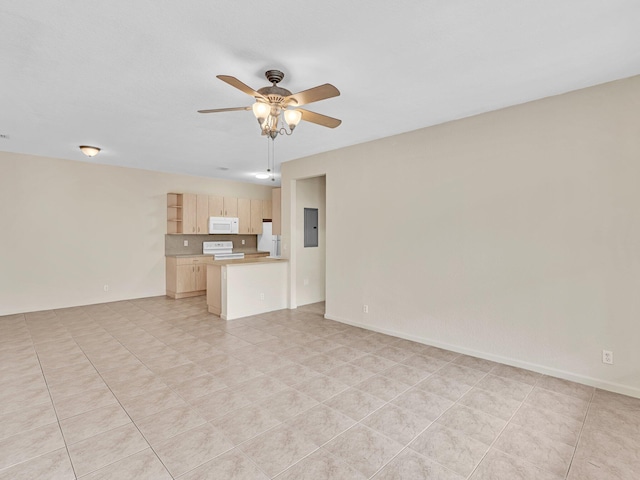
(241, 273)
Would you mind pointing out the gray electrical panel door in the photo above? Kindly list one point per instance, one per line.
(310, 227)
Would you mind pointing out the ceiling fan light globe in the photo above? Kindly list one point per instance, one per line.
(292, 117)
(261, 111)
(262, 176)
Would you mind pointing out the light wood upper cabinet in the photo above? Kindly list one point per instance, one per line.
(189, 213)
(231, 207)
(266, 210)
(216, 206)
(276, 211)
(202, 214)
(174, 212)
(256, 217)
(223, 206)
(244, 216)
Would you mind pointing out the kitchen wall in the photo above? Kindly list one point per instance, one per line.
(310, 271)
(70, 228)
(524, 228)
(174, 244)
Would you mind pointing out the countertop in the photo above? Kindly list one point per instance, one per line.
(247, 261)
(246, 251)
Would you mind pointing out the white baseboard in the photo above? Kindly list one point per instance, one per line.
(574, 377)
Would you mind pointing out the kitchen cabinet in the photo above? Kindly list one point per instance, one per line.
(276, 211)
(244, 216)
(266, 210)
(187, 277)
(216, 206)
(256, 217)
(220, 206)
(174, 212)
(230, 207)
(249, 216)
(187, 213)
(202, 214)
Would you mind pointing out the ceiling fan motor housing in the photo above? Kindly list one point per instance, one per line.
(274, 76)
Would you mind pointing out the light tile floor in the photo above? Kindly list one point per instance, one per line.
(159, 389)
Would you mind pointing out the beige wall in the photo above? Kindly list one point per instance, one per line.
(310, 266)
(524, 227)
(69, 228)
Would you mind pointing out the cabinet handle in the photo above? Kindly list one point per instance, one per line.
(193, 229)
(225, 213)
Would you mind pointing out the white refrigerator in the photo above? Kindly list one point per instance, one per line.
(268, 242)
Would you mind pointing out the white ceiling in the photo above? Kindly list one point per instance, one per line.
(128, 76)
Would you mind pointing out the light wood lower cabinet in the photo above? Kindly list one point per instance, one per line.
(187, 277)
(214, 292)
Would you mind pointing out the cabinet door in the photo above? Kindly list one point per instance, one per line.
(256, 217)
(276, 211)
(189, 209)
(266, 210)
(244, 216)
(202, 214)
(216, 206)
(185, 278)
(201, 277)
(230, 207)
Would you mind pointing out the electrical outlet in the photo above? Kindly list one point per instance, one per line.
(262, 296)
(607, 357)
(243, 241)
(306, 282)
(186, 243)
(365, 308)
(106, 288)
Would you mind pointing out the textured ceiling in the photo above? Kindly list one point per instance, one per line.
(128, 76)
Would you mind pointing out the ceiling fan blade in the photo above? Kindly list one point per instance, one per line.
(234, 82)
(314, 94)
(216, 110)
(319, 119)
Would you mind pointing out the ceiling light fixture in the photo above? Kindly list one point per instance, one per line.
(89, 151)
(262, 176)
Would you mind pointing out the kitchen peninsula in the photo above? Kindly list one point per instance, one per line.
(249, 286)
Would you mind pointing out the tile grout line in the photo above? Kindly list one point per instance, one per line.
(584, 422)
(66, 446)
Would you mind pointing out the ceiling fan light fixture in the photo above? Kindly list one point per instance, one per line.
(261, 110)
(89, 151)
(292, 117)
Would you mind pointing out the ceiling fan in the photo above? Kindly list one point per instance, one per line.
(276, 105)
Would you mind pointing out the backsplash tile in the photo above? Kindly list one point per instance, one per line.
(174, 244)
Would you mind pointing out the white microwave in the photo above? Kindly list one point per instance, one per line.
(223, 225)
